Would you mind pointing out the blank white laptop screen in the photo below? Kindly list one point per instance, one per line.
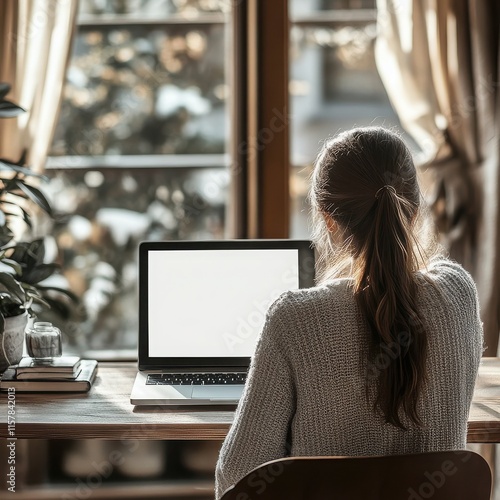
(213, 303)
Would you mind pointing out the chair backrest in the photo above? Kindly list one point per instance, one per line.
(449, 475)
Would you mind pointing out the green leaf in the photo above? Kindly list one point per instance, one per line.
(29, 255)
(19, 253)
(12, 286)
(36, 196)
(36, 252)
(5, 237)
(68, 293)
(11, 214)
(27, 306)
(9, 110)
(26, 218)
(14, 193)
(7, 165)
(39, 300)
(12, 263)
(10, 309)
(39, 273)
(10, 186)
(25, 215)
(4, 89)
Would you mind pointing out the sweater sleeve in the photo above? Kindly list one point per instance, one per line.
(462, 291)
(262, 420)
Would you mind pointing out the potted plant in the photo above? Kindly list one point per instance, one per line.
(22, 266)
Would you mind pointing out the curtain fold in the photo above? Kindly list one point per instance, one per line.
(35, 46)
(439, 61)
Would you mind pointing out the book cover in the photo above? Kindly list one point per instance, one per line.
(36, 375)
(66, 364)
(82, 383)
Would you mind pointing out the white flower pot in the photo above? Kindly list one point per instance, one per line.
(12, 341)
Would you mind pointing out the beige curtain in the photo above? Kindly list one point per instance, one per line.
(439, 61)
(35, 44)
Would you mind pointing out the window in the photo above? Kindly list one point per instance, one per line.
(334, 85)
(140, 151)
(144, 148)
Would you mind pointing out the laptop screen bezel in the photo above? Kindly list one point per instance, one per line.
(146, 362)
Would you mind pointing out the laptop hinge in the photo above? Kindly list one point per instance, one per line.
(203, 369)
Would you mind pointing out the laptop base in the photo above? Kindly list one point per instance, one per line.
(179, 395)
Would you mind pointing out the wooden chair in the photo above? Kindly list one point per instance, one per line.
(449, 475)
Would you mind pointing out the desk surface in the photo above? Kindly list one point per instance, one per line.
(106, 413)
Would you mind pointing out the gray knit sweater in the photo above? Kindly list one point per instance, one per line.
(306, 390)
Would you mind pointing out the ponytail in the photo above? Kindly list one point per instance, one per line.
(365, 181)
(386, 294)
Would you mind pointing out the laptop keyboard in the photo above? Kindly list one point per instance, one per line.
(196, 378)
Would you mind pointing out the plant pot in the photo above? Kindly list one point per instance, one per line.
(12, 341)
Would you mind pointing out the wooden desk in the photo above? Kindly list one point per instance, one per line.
(106, 413)
(484, 417)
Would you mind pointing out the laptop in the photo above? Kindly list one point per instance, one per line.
(202, 306)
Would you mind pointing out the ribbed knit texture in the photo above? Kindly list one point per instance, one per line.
(306, 390)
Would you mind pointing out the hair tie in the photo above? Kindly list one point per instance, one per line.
(387, 187)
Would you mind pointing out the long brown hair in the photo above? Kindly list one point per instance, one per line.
(365, 190)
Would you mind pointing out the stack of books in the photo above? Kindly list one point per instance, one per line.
(64, 374)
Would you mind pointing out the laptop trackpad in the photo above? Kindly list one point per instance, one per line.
(217, 391)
